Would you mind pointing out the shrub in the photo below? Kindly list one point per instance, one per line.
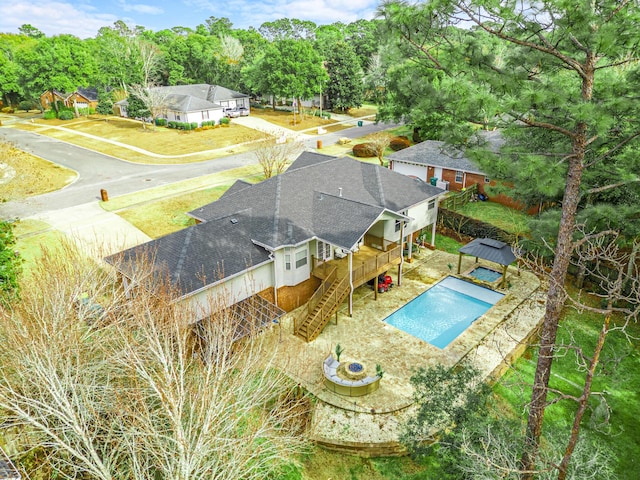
(326, 115)
(27, 105)
(399, 143)
(161, 122)
(50, 114)
(364, 150)
(7, 110)
(194, 125)
(224, 121)
(66, 115)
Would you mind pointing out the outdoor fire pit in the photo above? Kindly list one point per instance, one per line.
(352, 370)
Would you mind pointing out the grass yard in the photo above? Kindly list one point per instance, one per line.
(284, 119)
(148, 145)
(513, 221)
(162, 217)
(31, 235)
(24, 175)
(618, 378)
(322, 465)
(162, 210)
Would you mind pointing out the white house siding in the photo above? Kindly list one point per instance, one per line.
(410, 169)
(195, 117)
(422, 216)
(294, 276)
(231, 291)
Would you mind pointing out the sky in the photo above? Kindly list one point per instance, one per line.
(83, 18)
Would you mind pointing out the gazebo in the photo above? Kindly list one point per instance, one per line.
(490, 250)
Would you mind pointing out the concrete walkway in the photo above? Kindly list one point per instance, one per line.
(97, 232)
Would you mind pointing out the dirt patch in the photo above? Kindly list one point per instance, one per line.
(23, 175)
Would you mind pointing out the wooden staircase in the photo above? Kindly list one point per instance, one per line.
(321, 307)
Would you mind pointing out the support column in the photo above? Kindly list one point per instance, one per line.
(433, 234)
(401, 253)
(459, 262)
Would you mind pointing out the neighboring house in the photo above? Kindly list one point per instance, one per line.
(434, 161)
(81, 98)
(324, 218)
(196, 103)
(448, 168)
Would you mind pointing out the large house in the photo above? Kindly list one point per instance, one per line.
(325, 225)
(196, 103)
(436, 162)
(81, 98)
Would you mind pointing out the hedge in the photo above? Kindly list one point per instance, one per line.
(472, 227)
(364, 150)
(225, 121)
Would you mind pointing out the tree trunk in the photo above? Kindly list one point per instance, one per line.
(555, 302)
(55, 102)
(557, 278)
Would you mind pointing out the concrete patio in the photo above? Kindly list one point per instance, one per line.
(369, 425)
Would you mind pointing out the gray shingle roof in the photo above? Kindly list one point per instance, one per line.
(336, 200)
(490, 249)
(196, 97)
(437, 154)
(200, 255)
(284, 205)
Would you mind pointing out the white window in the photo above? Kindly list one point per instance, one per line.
(431, 205)
(459, 176)
(301, 257)
(323, 251)
(287, 259)
(397, 225)
(487, 180)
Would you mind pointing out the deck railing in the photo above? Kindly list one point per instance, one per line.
(372, 266)
(329, 307)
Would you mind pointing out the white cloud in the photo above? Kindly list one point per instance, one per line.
(245, 13)
(140, 8)
(52, 18)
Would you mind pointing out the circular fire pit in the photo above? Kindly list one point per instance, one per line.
(352, 370)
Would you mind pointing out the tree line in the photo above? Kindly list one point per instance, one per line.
(286, 58)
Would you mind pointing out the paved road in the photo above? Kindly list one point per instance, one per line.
(97, 171)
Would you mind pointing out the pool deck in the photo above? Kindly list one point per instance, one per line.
(369, 425)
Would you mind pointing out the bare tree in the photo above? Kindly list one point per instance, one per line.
(611, 270)
(153, 97)
(274, 154)
(231, 49)
(149, 59)
(128, 390)
(379, 142)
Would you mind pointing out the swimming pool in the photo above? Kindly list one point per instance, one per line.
(486, 274)
(443, 312)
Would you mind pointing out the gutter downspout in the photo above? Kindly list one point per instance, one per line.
(275, 282)
(350, 283)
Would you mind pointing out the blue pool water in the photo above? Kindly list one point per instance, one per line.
(444, 311)
(486, 274)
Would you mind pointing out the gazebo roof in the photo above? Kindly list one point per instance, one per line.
(490, 249)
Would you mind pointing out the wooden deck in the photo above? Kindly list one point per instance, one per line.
(368, 263)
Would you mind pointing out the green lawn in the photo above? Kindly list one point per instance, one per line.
(508, 219)
(161, 217)
(618, 377)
